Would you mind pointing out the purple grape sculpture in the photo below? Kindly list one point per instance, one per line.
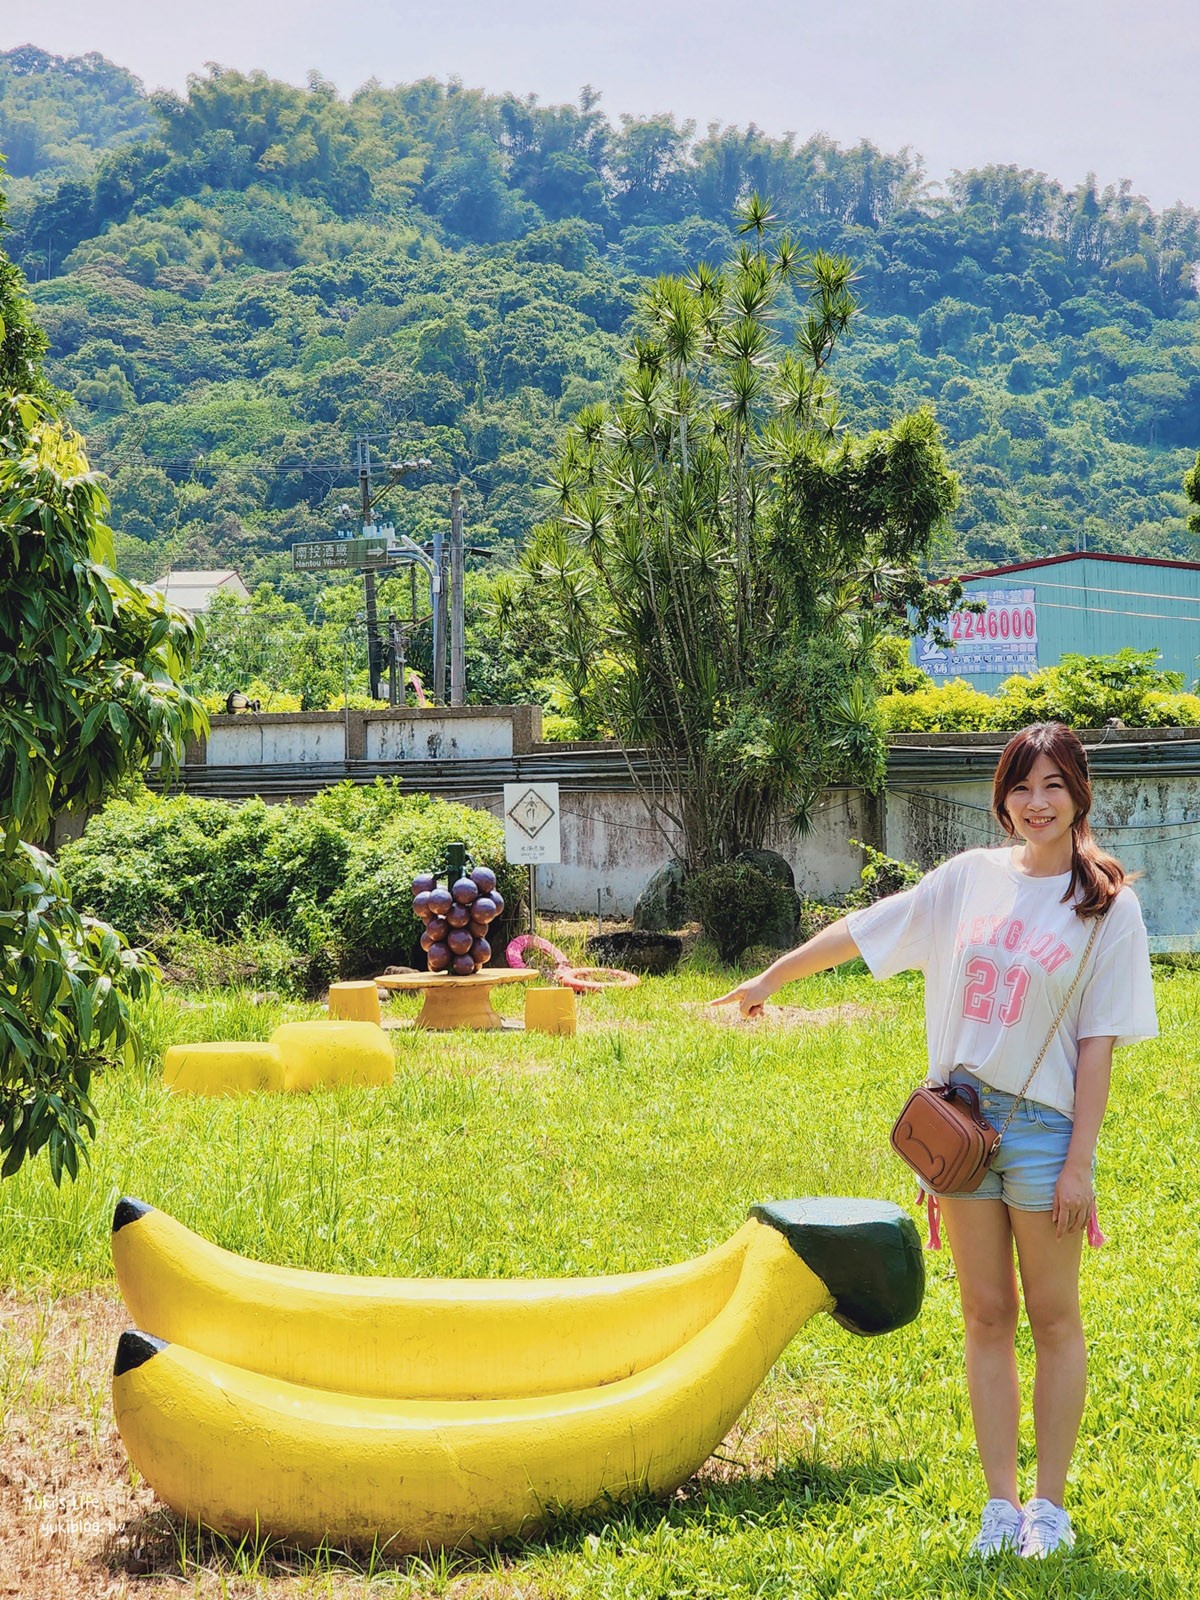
(456, 919)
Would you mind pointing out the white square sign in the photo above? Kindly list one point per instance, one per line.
(531, 823)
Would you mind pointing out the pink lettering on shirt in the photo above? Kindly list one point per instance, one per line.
(1053, 959)
(1012, 934)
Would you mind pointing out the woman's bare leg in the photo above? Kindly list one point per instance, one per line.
(981, 1238)
(1050, 1281)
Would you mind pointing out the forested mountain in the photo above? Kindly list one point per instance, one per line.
(250, 276)
(57, 114)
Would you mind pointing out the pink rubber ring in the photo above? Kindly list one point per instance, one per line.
(590, 980)
(532, 941)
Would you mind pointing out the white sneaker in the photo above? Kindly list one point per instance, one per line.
(999, 1529)
(1045, 1528)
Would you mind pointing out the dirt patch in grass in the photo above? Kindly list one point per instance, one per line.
(70, 1515)
(785, 1016)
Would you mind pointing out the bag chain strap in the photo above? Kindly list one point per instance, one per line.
(1054, 1026)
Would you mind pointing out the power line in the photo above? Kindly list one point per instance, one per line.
(207, 464)
(1192, 824)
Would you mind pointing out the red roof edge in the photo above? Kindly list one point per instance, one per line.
(1074, 555)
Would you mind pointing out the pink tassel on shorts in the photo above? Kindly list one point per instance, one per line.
(929, 1200)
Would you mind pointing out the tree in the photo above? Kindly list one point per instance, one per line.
(88, 692)
(722, 537)
(1191, 488)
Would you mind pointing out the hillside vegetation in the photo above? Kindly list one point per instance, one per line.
(236, 283)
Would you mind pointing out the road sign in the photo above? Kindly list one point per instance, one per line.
(378, 550)
(531, 823)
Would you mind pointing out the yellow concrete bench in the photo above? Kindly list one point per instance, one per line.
(298, 1056)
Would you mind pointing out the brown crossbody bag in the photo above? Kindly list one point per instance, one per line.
(941, 1131)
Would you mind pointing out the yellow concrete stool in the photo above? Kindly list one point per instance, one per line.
(228, 1068)
(318, 1055)
(298, 1056)
(550, 1010)
(355, 1002)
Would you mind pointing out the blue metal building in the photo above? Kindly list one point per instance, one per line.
(1082, 604)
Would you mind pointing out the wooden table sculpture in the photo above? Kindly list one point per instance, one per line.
(452, 1002)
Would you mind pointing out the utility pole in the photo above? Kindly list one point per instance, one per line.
(458, 660)
(438, 588)
(374, 652)
(397, 471)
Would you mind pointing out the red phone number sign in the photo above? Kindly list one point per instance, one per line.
(1002, 638)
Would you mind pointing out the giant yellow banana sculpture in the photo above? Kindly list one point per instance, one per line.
(437, 1338)
(240, 1449)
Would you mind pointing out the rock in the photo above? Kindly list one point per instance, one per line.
(640, 951)
(781, 933)
(771, 864)
(661, 904)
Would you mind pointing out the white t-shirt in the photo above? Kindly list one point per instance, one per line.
(999, 950)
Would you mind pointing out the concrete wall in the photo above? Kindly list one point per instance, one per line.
(1146, 786)
(466, 733)
(611, 845)
(260, 738)
(1150, 822)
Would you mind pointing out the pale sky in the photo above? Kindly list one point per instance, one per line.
(1062, 86)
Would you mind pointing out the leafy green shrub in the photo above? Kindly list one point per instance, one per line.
(734, 902)
(1082, 691)
(953, 707)
(1085, 691)
(260, 957)
(372, 912)
(151, 862)
(288, 896)
(881, 876)
(815, 915)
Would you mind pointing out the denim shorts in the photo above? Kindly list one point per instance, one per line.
(1031, 1155)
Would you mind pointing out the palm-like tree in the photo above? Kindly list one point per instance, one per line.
(719, 534)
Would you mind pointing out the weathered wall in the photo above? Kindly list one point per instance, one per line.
(448, 734)
(258, 738)
(611, 846)
(1145, 810)
(444, 733)
(1147, 800)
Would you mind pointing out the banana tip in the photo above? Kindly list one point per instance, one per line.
(128, 1210)
(134, 1349)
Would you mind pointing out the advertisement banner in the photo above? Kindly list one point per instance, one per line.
(1001, 639)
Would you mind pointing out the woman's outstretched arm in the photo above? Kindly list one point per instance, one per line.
(826, 949)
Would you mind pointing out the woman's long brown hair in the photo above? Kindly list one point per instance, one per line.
(1095, 875)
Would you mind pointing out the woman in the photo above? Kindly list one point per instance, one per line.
(999, 935)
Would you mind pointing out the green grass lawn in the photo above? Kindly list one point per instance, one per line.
(641, 1140)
